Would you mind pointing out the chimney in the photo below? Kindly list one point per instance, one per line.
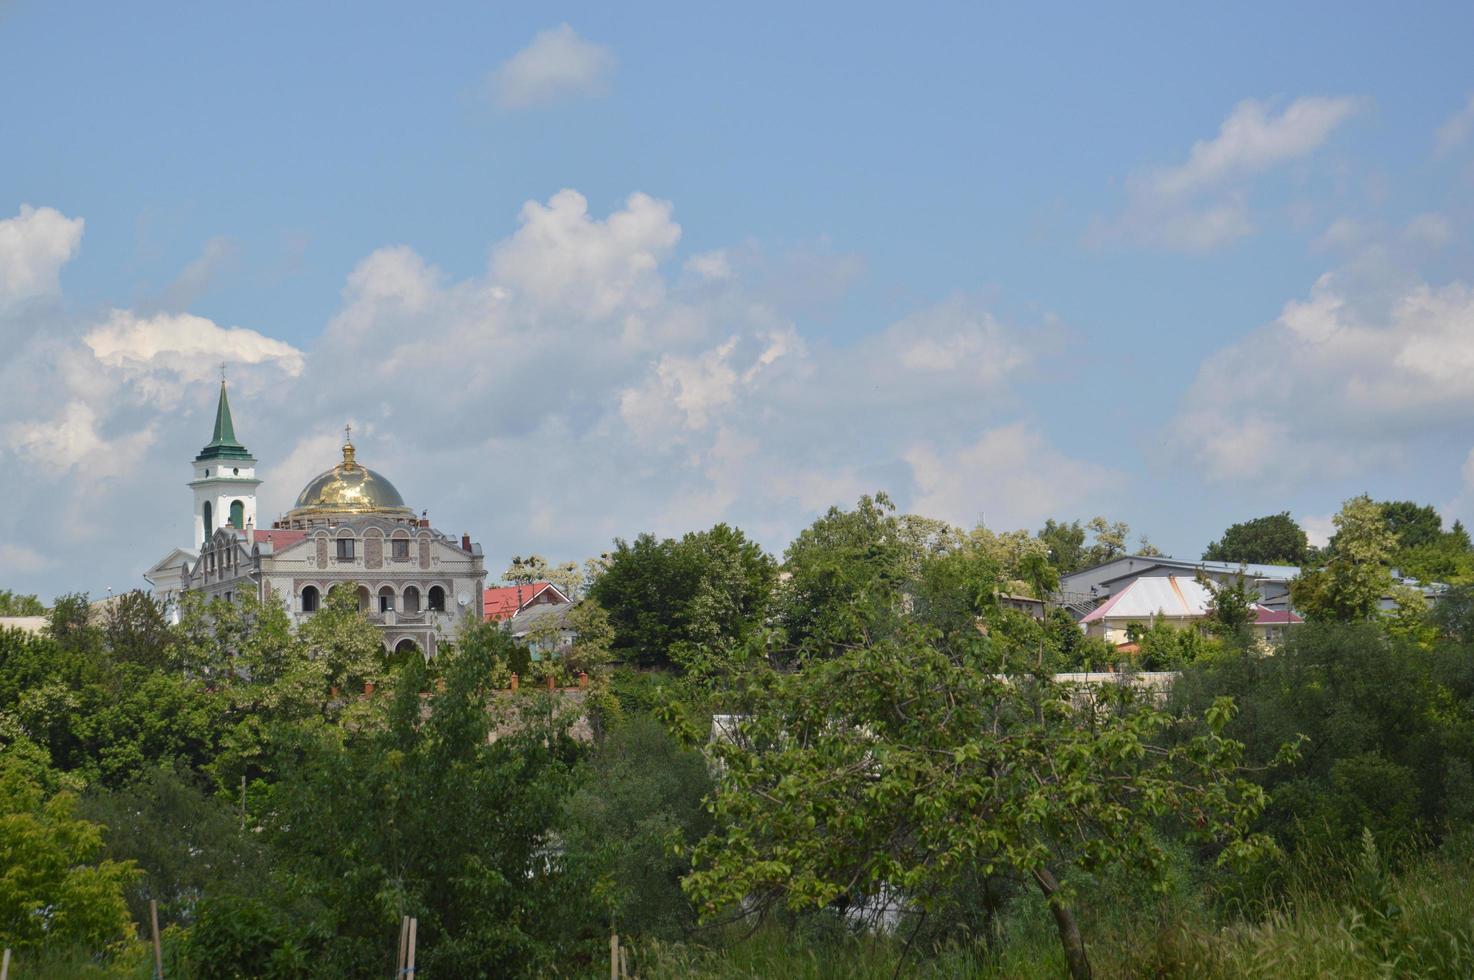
(514, 682)
(368, 689)
(465, 541)
(550, 682)
(333, 692)
(583, 679)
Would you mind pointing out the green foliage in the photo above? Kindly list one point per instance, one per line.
(1272, 540)
(56, 889)
(1066, 544)
(1390, 729)
(1066, 549)
(908, 756)
(1358, 574)
(663, 597)
(642, 791)
(1231, 610)
(422, 814)
(16, 604)
(238, 938)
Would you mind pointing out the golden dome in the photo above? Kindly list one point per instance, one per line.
(349, 488)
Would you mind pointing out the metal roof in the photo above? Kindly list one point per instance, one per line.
(1172, 596)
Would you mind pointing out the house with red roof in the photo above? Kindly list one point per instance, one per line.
(1180, 602)
(501, 603)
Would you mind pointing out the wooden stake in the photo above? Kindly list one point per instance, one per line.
(153, 915)
(403, 947)
(613, 955)
(5, 965)
(409, 967)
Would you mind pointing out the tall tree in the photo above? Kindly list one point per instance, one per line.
(535, 568)
(1357, 576)
(908, 756)
(1272, 540)
(1066, 544)
(663, 595)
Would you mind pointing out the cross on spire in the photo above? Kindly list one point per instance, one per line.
(348, 432)
(222, 372)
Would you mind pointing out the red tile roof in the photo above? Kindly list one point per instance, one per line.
(280, 539)
(503, 602)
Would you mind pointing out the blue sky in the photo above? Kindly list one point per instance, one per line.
(591, 270)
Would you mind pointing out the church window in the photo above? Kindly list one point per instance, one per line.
(237, 514)
(411, 599)
(386, 600)
(399, 549)
(437, 599)
(209, 519)
(310, 599)
(363, 599)
(236, 471)
(345, 549)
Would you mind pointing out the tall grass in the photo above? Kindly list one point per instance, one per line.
(1345, 917)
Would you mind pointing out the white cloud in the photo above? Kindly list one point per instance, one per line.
(1430, 230)
(1335, 386)
(63, 443)
(1010, 477)
(1200, 204)
(34, 245)
(1456, 130)
(1251, 140)
(586, 385)
(159, 353)
(557, 65)
(564, 260)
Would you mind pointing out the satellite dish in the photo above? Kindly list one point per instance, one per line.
(463, 599)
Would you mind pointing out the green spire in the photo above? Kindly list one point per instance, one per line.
(224, 444)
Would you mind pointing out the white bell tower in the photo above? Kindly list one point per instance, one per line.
(224, 481)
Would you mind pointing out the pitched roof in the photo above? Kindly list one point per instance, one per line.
(502, 602)
(1172, 596)
(279, 539)
(524, 621)
(1273, 573)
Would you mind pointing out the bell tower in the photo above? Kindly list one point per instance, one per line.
(224, 481)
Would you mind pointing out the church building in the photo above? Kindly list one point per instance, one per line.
(349, 527)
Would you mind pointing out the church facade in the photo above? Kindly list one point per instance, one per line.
(349, 528)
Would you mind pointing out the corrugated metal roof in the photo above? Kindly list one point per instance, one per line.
(1172, 596)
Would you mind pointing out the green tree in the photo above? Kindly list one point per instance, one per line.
(662, 596)
(1413, 525)
(418, 811)
(1065, 543)
(1272, 540)
(16, 604)
(639, 790)
(56, 889)
(1232, 607)
(907, 760)
(1357, 576)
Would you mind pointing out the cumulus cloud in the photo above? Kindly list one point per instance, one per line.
(1200, 204)
(586, 363)
(1009, 477)
(558, 65)
(564, 260)
(34, 245)
(61, 444)
(1335, 385)
(160, 353)
(1456, 130)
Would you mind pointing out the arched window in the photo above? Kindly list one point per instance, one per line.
(363, 598)
(386, 599)
(411, 599)
(437, 599)
(237, 514)
(310, 599)
(209, 520)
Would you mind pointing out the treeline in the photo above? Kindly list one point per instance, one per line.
(895, 781)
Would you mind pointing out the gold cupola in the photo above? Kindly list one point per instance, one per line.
(350, 488)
